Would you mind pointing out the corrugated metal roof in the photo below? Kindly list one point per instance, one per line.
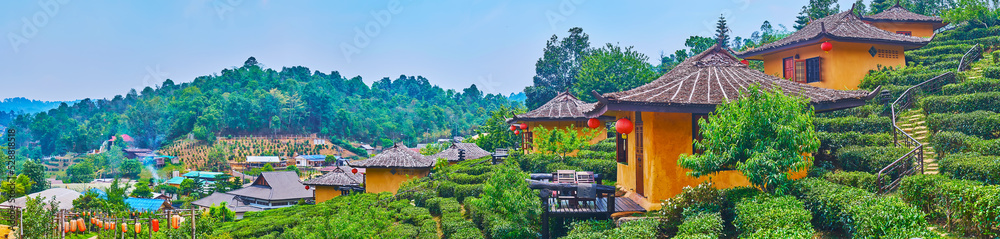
(263, 159)
(145, 204)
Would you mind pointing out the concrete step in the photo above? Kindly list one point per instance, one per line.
(930, 172)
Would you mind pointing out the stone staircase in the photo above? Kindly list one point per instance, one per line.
(913, 122)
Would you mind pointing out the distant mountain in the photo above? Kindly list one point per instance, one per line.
(21, 104)
(519, 97)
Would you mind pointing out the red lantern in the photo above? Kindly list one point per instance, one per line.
(516, 132)
(512, 128)
(124, 227)
(138, 228)
(826, 46)
(623, 126)
(524, 126)
(745, 62)
(354, 171)
(307, 187)
(83, 227)
(593, 123)
(156, 225)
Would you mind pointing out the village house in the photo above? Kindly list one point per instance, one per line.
(273, 190)
(901, 21)
(385, 171)
(665, 112)
(341, 181)
(563, 111)
(837, 51)
(310, 160)
(459, 152)
(218, 198)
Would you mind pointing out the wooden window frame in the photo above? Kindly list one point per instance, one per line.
(908, 33)
(818, 72)
(800, 71)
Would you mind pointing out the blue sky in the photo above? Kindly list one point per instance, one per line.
(65, 50)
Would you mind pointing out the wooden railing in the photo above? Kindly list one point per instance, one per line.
(888, 178)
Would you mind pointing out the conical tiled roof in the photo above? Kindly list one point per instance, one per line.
(711, 78)
(397, 156)
(564, 106)
(898, 13)
(472, 151)
(844, 27)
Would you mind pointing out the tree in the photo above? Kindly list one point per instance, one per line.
(859, 8)
(38, 216)
(131, 168)
(816, 9)
(81, 172)
(188, 186)
(35, 172)
(764, 135)
(20, 186)
(973, 11)
(696, 45)
(562, 141)
(90, 201)
(558, 67)
(142, 189)
(221, 213)
(250, 62)
(611, 69)
(495, 132)
(117, 193)
(877, 6)
(293, 168)
(722, 32)
(267, 168)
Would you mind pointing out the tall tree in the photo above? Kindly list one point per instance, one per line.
(816, 9)
(558, 67)
(722, 32)
(611, 69)
(35, 172)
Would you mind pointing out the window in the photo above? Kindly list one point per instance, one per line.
(886, 53)
(908, 33)
(800, 71)
(813, 69)
(621, 149)
(788, 64)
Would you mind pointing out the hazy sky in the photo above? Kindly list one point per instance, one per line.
(65, 50)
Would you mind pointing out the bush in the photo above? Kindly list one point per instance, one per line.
(831, 142)
(463, 191)
(703, 198)
(973, 207)
(773, 217)
(462, 178)
(984, 124)
(860, 180)
(948, 142)
(606, 145)
(991, 72)
(871, 124)
(972, 166)
(588, 229)
(868, 159)
(961, 103)
(701, 225)
(971, 86)
(859, 213)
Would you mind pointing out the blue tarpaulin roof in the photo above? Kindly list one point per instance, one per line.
(176, 180)
(202, 174)
(144, 204)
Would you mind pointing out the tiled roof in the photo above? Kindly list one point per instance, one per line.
(281, 185)
(398, 156)
(845, 27)
(64, 196)
(472, 151)
(340, 176)
(711, 78)
(898, 13)
(564, 106)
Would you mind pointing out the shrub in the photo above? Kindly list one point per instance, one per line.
(972, 166)
(868, 159)
(948, 142)
(961, 103)
(453, 224)
(859, 213)
(862, 180)
(703, 198)
(831, 142)
(414, 215)
(871, 124)
(984, 124)
(700, 225)
(587, 229)
(971, 86)
(462, 178)
(991, 72)
(773, 217)
(973, 207)
(606, 145)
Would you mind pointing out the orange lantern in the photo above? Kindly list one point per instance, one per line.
(826, 46)
(111, 226)
(174, 221)
(83, 226)
(72, 225)
(593, 123)
(124, 227)
(65, 226)
(99, 223)
(155, 224)
(138, 227)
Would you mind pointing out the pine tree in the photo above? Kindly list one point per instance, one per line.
(722, 32)
(878, 6)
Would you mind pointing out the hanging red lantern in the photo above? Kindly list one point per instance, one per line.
(623, 126)
(512, 128)
(307, 187)
(745, 62)
(354, 171)
(826, 46)
(516, 132)
(124, 227)
(111, 226)
(524, 126)
(155, 224)
(593, 123)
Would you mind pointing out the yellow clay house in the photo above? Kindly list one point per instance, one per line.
(664, 113)
(387, 170)
(855, 48)
(338, 182)
(560, 112)
(901, 21)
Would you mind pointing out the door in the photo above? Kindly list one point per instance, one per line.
(640, 180)
(788, 64)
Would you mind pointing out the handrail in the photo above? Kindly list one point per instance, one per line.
(904, 165)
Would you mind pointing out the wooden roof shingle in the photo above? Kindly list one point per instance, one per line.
(714, 77)
(398, 156)
(472, 151)
(898, 13)
(564, 106)
(277, 185)
(340, 176)
(844, 27)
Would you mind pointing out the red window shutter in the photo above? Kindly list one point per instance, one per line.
(789, 67)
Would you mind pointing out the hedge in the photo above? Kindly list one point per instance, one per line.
(453, 224)
(871, 124)
(773, 217)
(462, 178)
(859, 213)
(868, 159)
(992, 72)
(985, 124)
(948, 142)
(831, 142)
(700, 225)
(972, 166)
(862, 180)
(971, 86)
(961, 103)
(974, 208)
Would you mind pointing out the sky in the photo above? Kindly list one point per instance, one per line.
(59, 50)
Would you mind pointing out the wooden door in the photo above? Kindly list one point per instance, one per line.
(788, 64)
(640, 180)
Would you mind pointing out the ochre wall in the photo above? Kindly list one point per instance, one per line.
(382, 180)
(917, 29)
(843, 67)
(666, 136)
(324, 193)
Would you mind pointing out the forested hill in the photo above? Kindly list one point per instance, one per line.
(252, 100)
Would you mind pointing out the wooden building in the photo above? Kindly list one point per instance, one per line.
(459, 152)
(273, 190)
(901, 21)
(665, 111)
(338, 182)
(563, 111)
(855, 47)
(385, 171)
